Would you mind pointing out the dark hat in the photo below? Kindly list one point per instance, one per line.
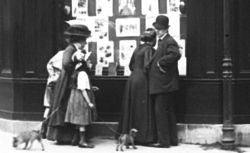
(148, 35)
(161, 22)
(77, 30)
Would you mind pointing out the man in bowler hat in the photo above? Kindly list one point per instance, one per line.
(163, 82)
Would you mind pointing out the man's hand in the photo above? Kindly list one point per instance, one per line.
(160, 68)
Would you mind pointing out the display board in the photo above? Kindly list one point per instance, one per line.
(116, 26)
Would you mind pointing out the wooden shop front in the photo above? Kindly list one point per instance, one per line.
(30, 34)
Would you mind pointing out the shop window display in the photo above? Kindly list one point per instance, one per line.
(116, 26)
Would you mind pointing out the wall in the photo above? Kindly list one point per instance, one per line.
(28, 39)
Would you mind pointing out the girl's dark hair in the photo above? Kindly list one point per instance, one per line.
(84, 67)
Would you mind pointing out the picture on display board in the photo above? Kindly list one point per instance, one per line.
(79, 8)
(105, 53)
(126, 7)
(150, 7)
(173, 6)
(174, 22)
(126, 27)
(104, 7)
(100, 31)
(150, 19)
(126, 49)
(182, 63)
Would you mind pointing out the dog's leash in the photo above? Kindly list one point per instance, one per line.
(51, 114)
(115, 132)
(54, 111)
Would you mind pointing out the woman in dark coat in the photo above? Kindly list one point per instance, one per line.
(57, 129)
(136, 107)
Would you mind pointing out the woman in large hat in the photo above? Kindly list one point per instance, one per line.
(58, 130)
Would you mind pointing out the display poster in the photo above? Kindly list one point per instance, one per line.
(126, 49)
(126, 7)
(173, 6)
(98, 69)
(174, 22)
(104, 7)
(79, 8)
(127, 71)
(100, 31)
(150, 7)
(126, 27)
(149, 21)
(182, 63)
(105, 53)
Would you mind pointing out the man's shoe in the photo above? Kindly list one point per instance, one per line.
(174, 144)
(85, 145)
(159, 145)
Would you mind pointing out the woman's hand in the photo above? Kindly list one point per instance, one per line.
(95, 88)
(78, 56)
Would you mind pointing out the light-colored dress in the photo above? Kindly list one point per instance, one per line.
(78, 112)
(54, 68)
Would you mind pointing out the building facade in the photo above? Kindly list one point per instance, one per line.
(30, 32)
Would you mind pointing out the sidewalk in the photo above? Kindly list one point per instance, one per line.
(103, 145)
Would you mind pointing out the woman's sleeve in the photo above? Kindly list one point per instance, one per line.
(148, 55)
(83, 81)
(172, 54)
(67, 62)
(132, 61)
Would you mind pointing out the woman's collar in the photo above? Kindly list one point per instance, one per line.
(77, 46)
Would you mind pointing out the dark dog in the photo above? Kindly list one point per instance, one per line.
(28, 137)
(127, 140)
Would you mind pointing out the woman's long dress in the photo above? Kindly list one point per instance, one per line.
(136, 107)
(57, 128)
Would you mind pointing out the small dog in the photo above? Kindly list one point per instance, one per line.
(28, 137)
(127, 140)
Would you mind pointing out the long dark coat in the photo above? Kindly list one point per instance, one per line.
(136, 107)
(57, 129)
(167, 55)
(163, 81)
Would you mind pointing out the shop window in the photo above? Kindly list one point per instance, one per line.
(116, 26)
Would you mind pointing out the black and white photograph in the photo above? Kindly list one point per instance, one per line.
(110, 76)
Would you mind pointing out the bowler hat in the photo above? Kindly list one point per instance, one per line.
(77, 30)
(161, 22)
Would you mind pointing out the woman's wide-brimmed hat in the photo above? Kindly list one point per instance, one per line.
(78, 30)
(162, 22)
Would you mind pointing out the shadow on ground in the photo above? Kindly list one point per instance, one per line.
(219, 147)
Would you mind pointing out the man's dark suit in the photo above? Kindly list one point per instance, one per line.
(163, 81)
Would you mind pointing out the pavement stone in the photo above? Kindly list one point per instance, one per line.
(105, 145)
